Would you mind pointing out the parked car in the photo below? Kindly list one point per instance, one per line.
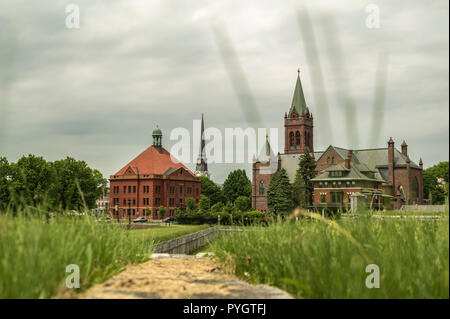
(169, 219)
(140, 220)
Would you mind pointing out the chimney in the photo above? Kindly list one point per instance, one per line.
(348, 160)
(391, 162)
(421, 163)
(404, 148)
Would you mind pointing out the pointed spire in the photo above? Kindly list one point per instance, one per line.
(298, 100)
(201, 168)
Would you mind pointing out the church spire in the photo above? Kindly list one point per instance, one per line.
(202, 167)
(298, 101)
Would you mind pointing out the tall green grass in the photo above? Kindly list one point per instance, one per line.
(34, 253)
(314, 258)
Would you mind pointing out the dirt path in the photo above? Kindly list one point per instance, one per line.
(179, 277)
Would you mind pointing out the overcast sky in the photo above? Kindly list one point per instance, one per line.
(96, 93)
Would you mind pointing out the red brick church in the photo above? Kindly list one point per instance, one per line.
(152, 180)
(386, 177)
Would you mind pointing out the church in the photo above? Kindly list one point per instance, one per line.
(386, 177)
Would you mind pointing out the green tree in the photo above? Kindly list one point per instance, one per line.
(205, 204)
(5, 182)
(242, 203)
(217, 207)
(430, 182)
(303, 188)
(237, 184)
(161, 211)
(190, 203)
(31, 179)
(211, 190)
(73, 176)
(279, 194)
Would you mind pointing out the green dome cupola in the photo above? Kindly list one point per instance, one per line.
(157, 137)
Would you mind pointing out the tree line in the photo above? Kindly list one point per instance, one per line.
(66, 184)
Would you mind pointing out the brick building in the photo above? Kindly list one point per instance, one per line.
(152, 180)
(385, 176)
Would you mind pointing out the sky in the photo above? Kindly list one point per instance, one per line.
(96, 92)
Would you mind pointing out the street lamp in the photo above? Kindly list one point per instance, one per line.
(129, 211)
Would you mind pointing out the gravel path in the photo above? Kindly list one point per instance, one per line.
(180, 276)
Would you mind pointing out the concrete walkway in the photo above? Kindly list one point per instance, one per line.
(180, 276)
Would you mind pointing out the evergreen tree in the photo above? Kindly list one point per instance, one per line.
(279, 194)
(237, 184)
(303, 188)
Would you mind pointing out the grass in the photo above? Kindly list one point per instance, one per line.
(165, 233)
(34, 252)
(315, 258)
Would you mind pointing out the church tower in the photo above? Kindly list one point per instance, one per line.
(298, 123)
(201, 168)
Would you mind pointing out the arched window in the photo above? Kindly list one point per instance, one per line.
(261, 188)
(332, 160)
(297, 139)
(291, 140)
(328, 160)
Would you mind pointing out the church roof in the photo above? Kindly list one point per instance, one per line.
(298, 100)
(154, 160)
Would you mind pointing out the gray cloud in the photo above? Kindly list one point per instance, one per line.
(96, 93)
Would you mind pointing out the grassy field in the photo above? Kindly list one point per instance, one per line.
(34, 252)
(164, 233)
(314, 258)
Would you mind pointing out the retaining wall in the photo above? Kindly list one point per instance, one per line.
(425, 208)
(188, 243)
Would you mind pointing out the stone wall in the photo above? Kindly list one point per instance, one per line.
(425, 208)
(188, 243)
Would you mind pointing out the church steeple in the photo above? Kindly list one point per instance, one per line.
(202, 167)
(298, 123)
(298, 100)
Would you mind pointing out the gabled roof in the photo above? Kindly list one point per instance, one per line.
(352, 174)
(298, 100)
(154, 160)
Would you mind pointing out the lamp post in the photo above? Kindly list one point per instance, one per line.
(129, 211)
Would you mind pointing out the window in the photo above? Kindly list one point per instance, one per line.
(336, 197)
(291, 140)
(332, 160)
(124, 202)
(328, 160)
(171, 201)
(320, 184)
(129, 189)
(157, 201)
(181, 201)
(323, 198)
(124, 189)
(297, 139)
(134, 189)
(347, 183)
(197, 191)
(353, 183)
(261, 188)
